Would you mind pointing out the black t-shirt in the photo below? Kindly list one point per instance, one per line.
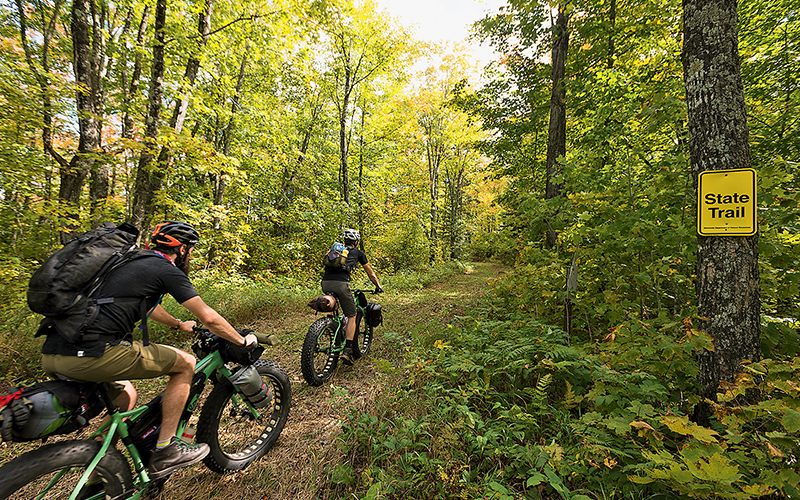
(354, 257)
(143, 278)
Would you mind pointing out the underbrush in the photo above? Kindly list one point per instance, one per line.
(241, 299)
(508, 409)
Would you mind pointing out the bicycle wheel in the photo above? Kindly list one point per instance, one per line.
(235, 435)
(318, 359)
(363, 337)
(28, 475)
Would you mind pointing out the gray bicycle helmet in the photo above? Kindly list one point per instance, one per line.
(351, 234)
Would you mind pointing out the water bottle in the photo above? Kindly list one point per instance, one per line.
(248, 381)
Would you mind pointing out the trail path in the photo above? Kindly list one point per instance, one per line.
(295, 466)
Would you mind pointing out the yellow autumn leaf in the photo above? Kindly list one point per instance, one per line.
(681, 425)
(775, 452)
(641, 425)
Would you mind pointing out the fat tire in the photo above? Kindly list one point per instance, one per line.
(321, 335)
(26, 469)
(362, 341)
(225, 423)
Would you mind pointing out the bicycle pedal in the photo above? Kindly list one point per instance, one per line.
(154, 489)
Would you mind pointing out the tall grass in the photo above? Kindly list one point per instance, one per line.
(241, 299)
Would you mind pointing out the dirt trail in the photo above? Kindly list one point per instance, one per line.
(294, 468)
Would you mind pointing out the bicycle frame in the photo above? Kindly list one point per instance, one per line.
(341, 320)
(211, 365)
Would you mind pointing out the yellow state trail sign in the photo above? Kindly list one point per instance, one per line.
(726, 202)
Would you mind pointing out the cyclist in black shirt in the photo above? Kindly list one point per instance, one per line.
(336, 281)
(117, 358)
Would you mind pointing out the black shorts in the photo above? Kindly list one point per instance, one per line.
(342, 291)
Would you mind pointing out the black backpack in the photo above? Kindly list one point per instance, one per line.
(48, 408)
(62, 288)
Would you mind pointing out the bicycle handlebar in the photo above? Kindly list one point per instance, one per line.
(260, 337)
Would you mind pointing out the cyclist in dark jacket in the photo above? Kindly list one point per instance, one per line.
(336, 281)
(116, 357)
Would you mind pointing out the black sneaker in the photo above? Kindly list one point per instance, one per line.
(174, 456)
(347, 356)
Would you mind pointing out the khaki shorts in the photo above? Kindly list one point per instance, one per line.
(120, 362)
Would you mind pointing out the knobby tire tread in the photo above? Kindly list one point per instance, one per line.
(362, 342)
(217, 407)
(25, 469)
(313, 376)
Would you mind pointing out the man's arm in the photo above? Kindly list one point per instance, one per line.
(371, 275)
(162, 316)
(218, 325)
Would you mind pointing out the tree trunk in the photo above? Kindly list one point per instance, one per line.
(130, 88)
(181, 107)
(343, 149)
(143, 190)
(727, 267)
(433, 177)
(612, 20)
(557, 129)
(73, 178)
(99, 178)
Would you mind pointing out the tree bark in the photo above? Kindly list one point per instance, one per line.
(727, 267)
(143, 189)
(131, 88)
(99, 173)
(557, 128)
(72, 179)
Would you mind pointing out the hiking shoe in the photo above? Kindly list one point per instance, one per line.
(174, 456)
(347, 356)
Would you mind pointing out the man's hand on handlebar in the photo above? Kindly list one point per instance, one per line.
(250, 340)
(187, 326)
(378, 290)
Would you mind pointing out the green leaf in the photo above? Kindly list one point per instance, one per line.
(716, 469)
(535, 479)
(791, 421)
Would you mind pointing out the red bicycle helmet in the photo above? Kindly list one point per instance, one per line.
(174, 234)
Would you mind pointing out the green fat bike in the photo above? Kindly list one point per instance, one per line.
(325, 339)
(237, 432)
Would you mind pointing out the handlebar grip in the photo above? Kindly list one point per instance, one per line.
(266, 339)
